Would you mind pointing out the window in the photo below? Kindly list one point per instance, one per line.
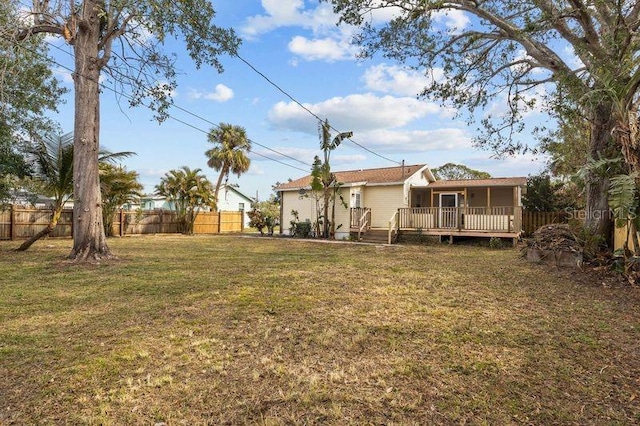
(241, 207)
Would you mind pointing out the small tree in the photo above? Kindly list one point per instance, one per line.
(324, 178)
(53, 165)
(543, 194)
(190, 192)
(265, 214)
(118, 186)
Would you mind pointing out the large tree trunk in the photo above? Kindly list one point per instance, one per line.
(89, 240)
(598, 220)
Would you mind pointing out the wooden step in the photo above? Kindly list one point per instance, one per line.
(375, 236)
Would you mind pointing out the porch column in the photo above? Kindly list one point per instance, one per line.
(488, 197)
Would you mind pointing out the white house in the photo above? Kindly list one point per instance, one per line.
(409, 198)
(231, 199)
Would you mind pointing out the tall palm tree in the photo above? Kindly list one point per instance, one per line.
(52, 157)
(230, 153)
(189, 191)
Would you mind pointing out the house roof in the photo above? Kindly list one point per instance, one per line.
(225, 187)
(370, 176)
(506, 181)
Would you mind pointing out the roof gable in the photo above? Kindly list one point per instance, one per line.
(235, 190)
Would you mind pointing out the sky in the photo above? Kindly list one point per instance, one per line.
(299, 50)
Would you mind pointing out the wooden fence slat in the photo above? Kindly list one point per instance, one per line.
(20, 222)
(531, 220)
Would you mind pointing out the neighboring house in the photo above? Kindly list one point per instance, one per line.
(410, 199)
(150, 202)
(231, 199)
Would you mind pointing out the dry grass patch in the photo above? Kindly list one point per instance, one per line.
(232, 330)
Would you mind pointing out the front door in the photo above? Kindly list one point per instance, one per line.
(449, 210)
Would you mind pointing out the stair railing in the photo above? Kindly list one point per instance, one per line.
(364, 222)
(393, 227)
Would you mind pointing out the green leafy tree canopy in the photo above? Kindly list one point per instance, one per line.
(452, 171)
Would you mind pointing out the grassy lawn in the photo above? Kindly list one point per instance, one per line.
(242, 330)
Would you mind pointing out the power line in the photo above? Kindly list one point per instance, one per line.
(177, 119)
(271, 82)
(206, 120)
(237, 55)
(279, 88)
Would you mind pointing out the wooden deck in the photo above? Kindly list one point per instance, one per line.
(487, 222)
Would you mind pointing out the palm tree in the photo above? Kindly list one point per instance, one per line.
(189, 191)
(53, 164)
(118, 186)
(328, 180)
(230, 152)
(53, 168)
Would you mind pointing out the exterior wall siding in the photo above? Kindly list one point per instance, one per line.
(383, 201)
(231, 201)
(305, 206)
(501, 197)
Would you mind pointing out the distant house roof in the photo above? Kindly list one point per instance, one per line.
(225, 187)
(370, 176)
(507, 181)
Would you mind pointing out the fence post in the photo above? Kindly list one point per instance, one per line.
(12, 222)
(219, 221)
(121, 223)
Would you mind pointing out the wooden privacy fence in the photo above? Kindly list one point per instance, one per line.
(22, 222)
(531, 220)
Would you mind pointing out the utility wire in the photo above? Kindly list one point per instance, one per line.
(284, 92)
(271, 82)
(206, 120)
(124, 95)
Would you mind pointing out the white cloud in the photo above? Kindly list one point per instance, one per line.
(221, 93)
(328, 42)
(255, 170)
(63, 74)
(519, 165)
(347, 159)
(415, 140)
(282, 13)
(399, 80)
(454, 20)
(302, 154)
(329, 49)
(354, 112)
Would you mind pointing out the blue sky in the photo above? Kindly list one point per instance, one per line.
(297, 45)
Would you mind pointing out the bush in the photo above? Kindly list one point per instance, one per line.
(496, 243)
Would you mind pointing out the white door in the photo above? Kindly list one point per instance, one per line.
(449, 210)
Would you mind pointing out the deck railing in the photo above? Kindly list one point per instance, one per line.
(358, 216)
(504, 219)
